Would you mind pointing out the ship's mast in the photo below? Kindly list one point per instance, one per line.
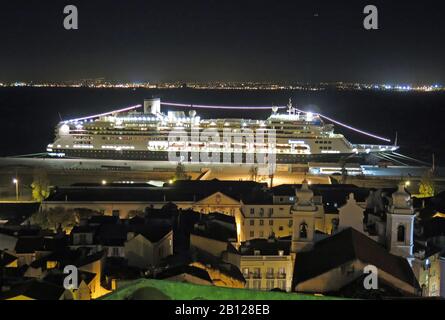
(290, 109)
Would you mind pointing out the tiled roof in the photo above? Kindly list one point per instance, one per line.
(31, 244)
(34, 289)
(66, 257)
(187, 190)
(151, 233)
(215, 232)
(331, 193)
(17, 212)
(184, 269)
(344, 247)
(208, 259)
(266, 247)
(6, 258)
(57, 278)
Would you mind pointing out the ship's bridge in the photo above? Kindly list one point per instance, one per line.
(298, 118)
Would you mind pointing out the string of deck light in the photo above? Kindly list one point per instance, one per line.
(105, 113)
(200, 106)
(349, 127)
(173, 104)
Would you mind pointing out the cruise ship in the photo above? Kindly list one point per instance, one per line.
(144, 132)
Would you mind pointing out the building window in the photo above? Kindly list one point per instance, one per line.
(280, 228)
(246, 272)
(82, 238)
(252, 210)
(261, 212)
(261, 222)
(401, 233)
(252, 222)
(335, 223)
(270, 222)
(115, 252)
(282, 284)
(261, 234)
(291, 222)
(270, 284)
(252, 234)
(303, 231)
(424, 290)
(270, 212)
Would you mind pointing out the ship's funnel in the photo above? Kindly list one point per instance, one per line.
(152, 106)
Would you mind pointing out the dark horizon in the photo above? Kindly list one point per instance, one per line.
(202, 41)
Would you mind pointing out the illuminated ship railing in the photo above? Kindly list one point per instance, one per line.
(174, 104)
(277, 107)
(200, 106)
(104, 114)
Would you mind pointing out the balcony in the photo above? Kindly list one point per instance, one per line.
(270, 275)
(281, 275)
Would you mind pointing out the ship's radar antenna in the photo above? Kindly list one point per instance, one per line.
(290, 109)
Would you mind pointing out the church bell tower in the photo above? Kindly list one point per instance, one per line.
(303, 217)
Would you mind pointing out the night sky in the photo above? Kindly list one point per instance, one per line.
(207, 40)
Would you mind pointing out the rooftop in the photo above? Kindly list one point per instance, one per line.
(344, 247)
(265, 247)
(331, 193)
(181, 190)
(34, 289)
(184, 269)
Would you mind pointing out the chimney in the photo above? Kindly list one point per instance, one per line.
(152, 106)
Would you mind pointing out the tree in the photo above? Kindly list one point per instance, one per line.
(135, 213)
(53, 218)
(427, 186)
(40, 218)
(180, 173)
(40, 186)
(253, 171)
(84, 213)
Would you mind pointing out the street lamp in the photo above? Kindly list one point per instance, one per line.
(16, 182)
